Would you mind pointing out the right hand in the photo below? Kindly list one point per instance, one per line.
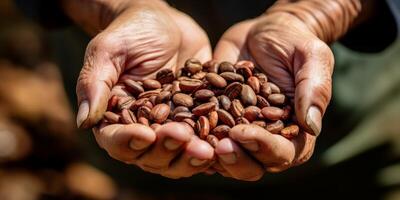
(139, 42)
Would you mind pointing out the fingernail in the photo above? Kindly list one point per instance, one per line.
(137, 144)
(197, 162)
(83, 113)
(251, 146)
(172, 144)
(228, 158)
(314, 120)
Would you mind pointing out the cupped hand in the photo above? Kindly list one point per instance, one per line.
(139, 42)
(295, 59)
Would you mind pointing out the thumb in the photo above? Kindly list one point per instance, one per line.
(313, 86)
(96, 79)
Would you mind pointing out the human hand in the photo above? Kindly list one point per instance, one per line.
(139, 42)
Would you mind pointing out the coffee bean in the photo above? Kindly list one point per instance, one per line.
(245, 72)
(183, 115)
(160, 113)
(125, 102)
(190, 85)
(226, 118)
(261, 77)
(111, 117)
(212, 140)
(236, 108)
(272, 113)
(203, 127)
(181, 99)
(163, 97)
(262, 102)
(165, 76)
(226, 67)
(260, 123)
(232, 77)
(211, 66)
(225, 102)
(275, 127)
(203, 95)
(128, 117)
(193, 66)
(190, 122)
(233, 90)
(150, 84)
(216, 80)
(290, 132)
(265, 90)
(215, 100)
(153, 100)
(242, 120)
(133, 87)
(252, 113)
(204, 109)
(213, 119)
(175, 87)
(149, 93)
(144, 112)
(274, 88)
(180, 109)
(167, 87)
(199, 75)
(245, 63)
(254, 83)
(248, 96)
(276, 99)
(221, 131)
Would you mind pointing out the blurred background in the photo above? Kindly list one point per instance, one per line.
(43, 155)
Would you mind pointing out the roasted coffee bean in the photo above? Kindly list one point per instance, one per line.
(199, 75)
(150, 84)
(167, 87)
(211, 66)
(153, 99)
(254, 83)
(242, 120)
(276, 99)
(290, 132)
(203, 127)
(261, 77)
(215, 100)
(160, 113)
(260, 123)
(180, 109)
(248, 96)
(245, 63)
(149, 93)
(221, 131)
(262, 102)
(133, 87)
(233, 90)
(274, 88)
(111, 117)
(139, 103)
(113, 102)
(232, 77)
(175, 87)
(265, 90)
(190, 122)
(212, 140)
(204, 109)
(245, 72)
(275, 127)
(252, 113)
(216, 80)
(225, 102)
(183, 115)
(143, 120)
(213, 119)
(181, 99)
(163, 97)
(272, 113)
(236, 108)
(144, 112)
(226, 67)
(203, 95)
(165, 76)
(155, 126)
(125, 102)
(190, 85)
(128, 117)
(193, 66)
(226, 118)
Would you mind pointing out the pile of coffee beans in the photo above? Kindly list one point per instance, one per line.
(211, 97)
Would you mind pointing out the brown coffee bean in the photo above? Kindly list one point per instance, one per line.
(236, 108)
(199, 75)
(160, 113)
(262, 102)
(181, 99)
(213, 119)
(252, 113)
(226, 118)
(144, 112)
(242, 120)
(254, 83)
(133, 87)
(232, 77)
(274, 88)
(212, 140)
(190, 85)
(143, 120)
(261, 77)
(153, 100)
(211, 66)
(128, 117)
(245, 72)
(204, 109)
(112, 102)
(225, 102)
(180, 109)
(248, 96)
(163, 97)
(265, 90)
(190, 122)
(233, 90)
(272, 113)
(216, 80)
(183, 115)
(226, 67)
(215, 100)
(276, 99)
(165, 76)
(290, 132)
(245, 63)
(193, 66)
(150, 84)
(203, 95)
(111, 117)
(139, 103)
(149, 93)
(275, 127)
(175, 87)
(125, 102)
(155, 126)
(260, 123)
(221, 131)
(167, 87)
(203, 127)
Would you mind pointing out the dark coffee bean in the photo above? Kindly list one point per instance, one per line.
(248, 96)
(125, 102)
(163, 97)
(236, 108)
(211, 66)
(245, 72)
(150, 84)
(144, 112)
(225, 102)
(272, 113)
(252, 113)
(160, 113)
(226, 118)
(245, 63)
(203, 95)
(204, 109)
(242, 120)
(233, 90)
(262, 102)
(216, 80)
(221, 131)
(290, 132)
(165, 76)
(213, 119)
(183, 115)
(190, 85)
(212, 140)
(133, 87)
(193, 66)
(203, 127)
(276, 99)
(181, 99)
(111, 117)
(226, 67)
(232, 77)
(275, 127)
(128, 117)
(254, 83)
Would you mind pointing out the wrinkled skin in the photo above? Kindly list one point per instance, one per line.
(299, 63)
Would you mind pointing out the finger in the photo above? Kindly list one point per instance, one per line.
(275, 152)
(124, 142)
(234, 160)
(196, 158)
(313, 83)
(171, 139)
(97, 77)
